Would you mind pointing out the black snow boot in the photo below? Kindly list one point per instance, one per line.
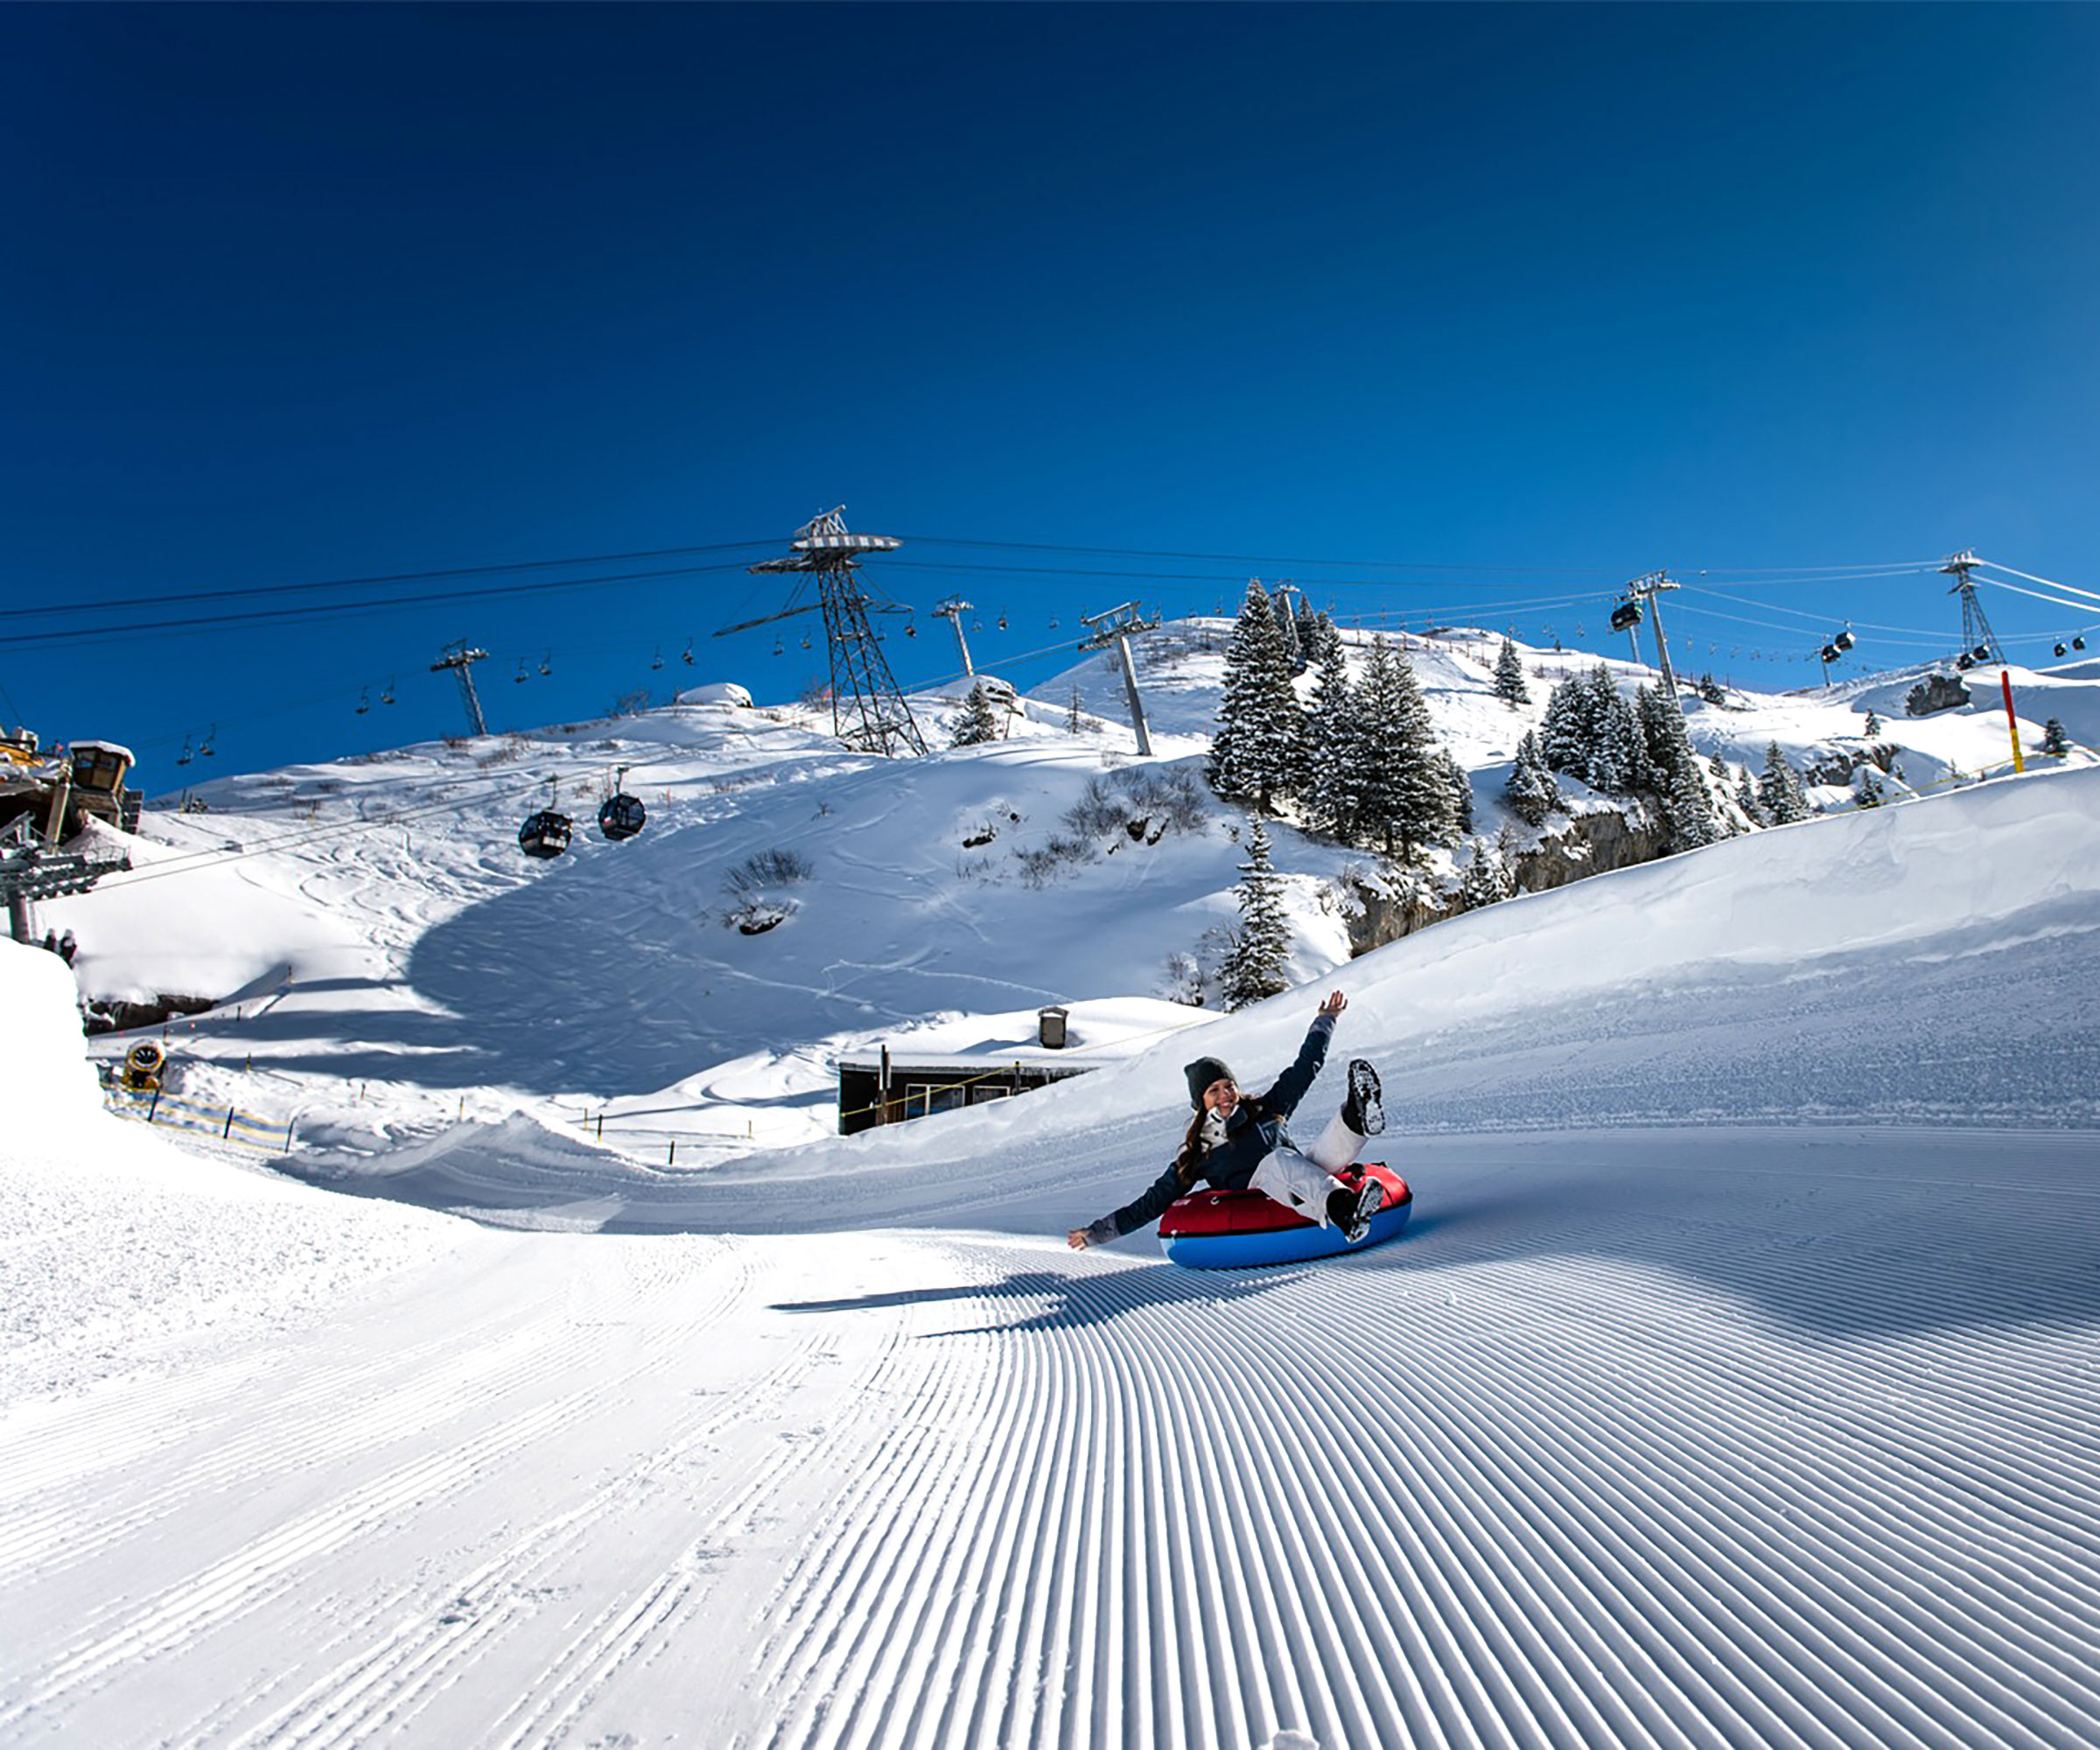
(1366, 1204)
(1363, 1111)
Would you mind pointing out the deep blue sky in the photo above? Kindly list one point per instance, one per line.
(295, 295)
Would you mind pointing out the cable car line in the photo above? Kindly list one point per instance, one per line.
(166, 597)
(2055, 601)
(92, 632)
(2071, 589)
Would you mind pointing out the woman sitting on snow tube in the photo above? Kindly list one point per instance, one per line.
(1238, 1142)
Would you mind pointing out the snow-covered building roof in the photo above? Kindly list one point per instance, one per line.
(1105, 1031)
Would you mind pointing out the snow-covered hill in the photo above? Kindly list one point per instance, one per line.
(349, 919)
(1733, 1384)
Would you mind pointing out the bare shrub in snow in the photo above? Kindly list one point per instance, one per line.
(769, 869)
(1041, 862)
(1143, 802)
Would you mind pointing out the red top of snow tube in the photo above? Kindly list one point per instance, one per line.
(1210, 1229)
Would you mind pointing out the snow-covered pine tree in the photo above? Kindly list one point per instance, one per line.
(977, 721)
(1873, 724)
(1331, 803)
(1258, 752)
(1404, 795)
(1779, 791)
(1745, 799)
(1687, 805)
(1569, 733)
(1458, 783)
(1487, 877)
(1869, 793)
(1510, 677)
(1254, 967)
(1728, 820)
(1309, 621)
(1531, 793)
(1625, 765)
(2054, 738)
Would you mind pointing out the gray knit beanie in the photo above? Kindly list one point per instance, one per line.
(1202, 1074)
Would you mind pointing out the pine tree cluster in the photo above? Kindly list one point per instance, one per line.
(1637, 749)
(1781, 799)
(1531, 792)
(1363, 767)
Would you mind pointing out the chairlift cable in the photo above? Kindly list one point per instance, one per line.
(166, 597)
(89, 630)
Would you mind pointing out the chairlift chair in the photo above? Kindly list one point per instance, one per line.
(364, 701)
(1626, 616)
(2062, 650)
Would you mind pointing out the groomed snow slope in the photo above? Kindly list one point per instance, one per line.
(1674, 1420)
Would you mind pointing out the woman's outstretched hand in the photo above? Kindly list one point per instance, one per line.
(1077, 1239)
(1335, 1004)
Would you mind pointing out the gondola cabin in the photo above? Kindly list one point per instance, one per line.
(545, 834)
(621, 816)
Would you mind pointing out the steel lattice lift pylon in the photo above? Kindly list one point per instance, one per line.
(825, 547)
(460, 657)
(1979, 643)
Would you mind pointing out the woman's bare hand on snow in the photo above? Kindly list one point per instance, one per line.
(1335, 1004)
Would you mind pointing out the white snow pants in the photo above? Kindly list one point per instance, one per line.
(1301, 1182)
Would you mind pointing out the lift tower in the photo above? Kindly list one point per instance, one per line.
(1117, 626)
(1644, 591)
(460, 657)
(1979, 641)
(824, 548)
(952, 611)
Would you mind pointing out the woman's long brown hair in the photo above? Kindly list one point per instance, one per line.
(1190, 1161)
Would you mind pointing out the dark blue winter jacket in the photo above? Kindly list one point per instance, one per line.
(1248, 1140)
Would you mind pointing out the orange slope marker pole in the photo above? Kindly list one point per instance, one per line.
(2011, 723)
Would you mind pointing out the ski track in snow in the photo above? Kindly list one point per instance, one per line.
(1162, 1543)
(943, 1491)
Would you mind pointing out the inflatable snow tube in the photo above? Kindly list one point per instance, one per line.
(1235, 1229)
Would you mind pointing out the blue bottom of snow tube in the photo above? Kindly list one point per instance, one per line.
(1295, 1244)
